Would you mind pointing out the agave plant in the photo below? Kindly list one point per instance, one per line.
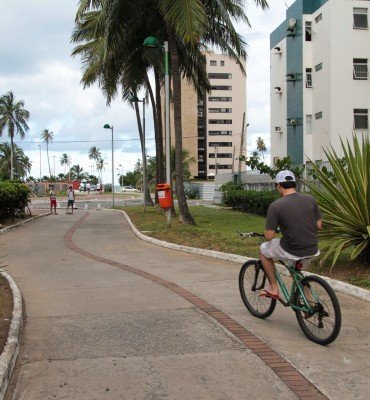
(346, 202)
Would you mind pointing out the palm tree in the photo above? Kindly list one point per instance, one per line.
(100, 167)
(77, 172)
(65, 160)
(14, 117)
(47, 137)
(112, 33)
(94, 154)
(261, 146)
(21, 163)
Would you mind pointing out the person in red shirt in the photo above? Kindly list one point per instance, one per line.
(53, 200)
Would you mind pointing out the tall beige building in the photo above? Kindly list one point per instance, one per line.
(213, 124)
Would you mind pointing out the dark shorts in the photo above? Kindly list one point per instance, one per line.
(53, 202)
(70, 203)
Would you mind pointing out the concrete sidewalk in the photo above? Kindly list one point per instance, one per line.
(96, 331)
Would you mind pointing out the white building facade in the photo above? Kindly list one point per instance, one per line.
(320, 87)
(212, 123)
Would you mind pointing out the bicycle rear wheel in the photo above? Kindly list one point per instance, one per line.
(252, 279)
(322, 326)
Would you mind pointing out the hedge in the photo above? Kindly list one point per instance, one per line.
(14, 197)
(252, 201)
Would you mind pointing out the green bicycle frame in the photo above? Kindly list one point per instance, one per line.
(296, 276)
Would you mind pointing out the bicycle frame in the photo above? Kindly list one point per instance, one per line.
(296, 276)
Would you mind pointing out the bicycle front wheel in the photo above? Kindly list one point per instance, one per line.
(252, 279)
(322, 325)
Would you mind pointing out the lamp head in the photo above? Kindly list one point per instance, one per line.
(133, 99)
(151, 41)
(107, 126)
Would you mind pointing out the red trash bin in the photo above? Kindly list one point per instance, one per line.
(164, 195)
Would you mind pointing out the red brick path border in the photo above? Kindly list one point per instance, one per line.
(296, 382)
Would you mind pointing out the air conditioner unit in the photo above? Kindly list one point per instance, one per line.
(277, 128)
(291, 28)
(278, 89)
(291, 77)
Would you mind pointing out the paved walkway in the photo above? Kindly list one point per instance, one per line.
(113, 317)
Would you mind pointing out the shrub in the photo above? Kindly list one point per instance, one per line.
(345, 202)
(191, 191)
(251, 201)
(14, 197)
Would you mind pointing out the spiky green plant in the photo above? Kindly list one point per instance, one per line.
(346, 204)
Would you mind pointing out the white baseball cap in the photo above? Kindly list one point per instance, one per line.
(285, 176)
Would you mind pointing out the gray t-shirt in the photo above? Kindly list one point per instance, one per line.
(296, 215)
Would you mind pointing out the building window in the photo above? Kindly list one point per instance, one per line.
(318, 115)
(220, 155)
(318, 18)
(213, 63)
(220, 144)
(220, 98)
(220, 110)
(360, 118)
(222, 63)
(308, 31)
(318, 67)
(360, 18)
(220, 121)
(221, 87)
(223, 133)
(308, 77)
(220, 166)
(308, 124)
(360, 69)
(214, 75)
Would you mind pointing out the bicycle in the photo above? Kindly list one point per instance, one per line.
(311, 298)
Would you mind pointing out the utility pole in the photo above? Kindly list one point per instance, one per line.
(232, 165)
(240, 150)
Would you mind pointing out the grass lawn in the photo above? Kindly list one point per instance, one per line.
(216, 230)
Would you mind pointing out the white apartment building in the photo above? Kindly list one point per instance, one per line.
(320, 87)
(213, 123)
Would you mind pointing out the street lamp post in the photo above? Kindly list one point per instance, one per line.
(40, 159)
(107, 126)
(134, 99)
(54, 167)
(152, 42)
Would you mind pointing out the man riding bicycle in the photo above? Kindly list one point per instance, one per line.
(298, 217)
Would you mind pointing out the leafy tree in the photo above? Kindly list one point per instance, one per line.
(261, 146)
(13, 117)
(47, 137)
(21, 163)
(346, 204)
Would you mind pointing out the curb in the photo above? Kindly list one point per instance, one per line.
(339, 286)
(11, 349)
(26, 221)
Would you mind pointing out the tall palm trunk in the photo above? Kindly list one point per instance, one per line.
(11, 158)
(146, 188)
(184, 213)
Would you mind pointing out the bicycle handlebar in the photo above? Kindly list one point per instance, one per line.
(245, 235)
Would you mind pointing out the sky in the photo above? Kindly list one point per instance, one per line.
(36, 64)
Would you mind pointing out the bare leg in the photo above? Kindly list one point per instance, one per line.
(269, 267)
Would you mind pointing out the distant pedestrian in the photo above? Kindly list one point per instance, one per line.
(71, 200)
(53, 200)
(98, 187)
(88, 187)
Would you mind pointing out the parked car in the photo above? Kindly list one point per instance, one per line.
(129, 189)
